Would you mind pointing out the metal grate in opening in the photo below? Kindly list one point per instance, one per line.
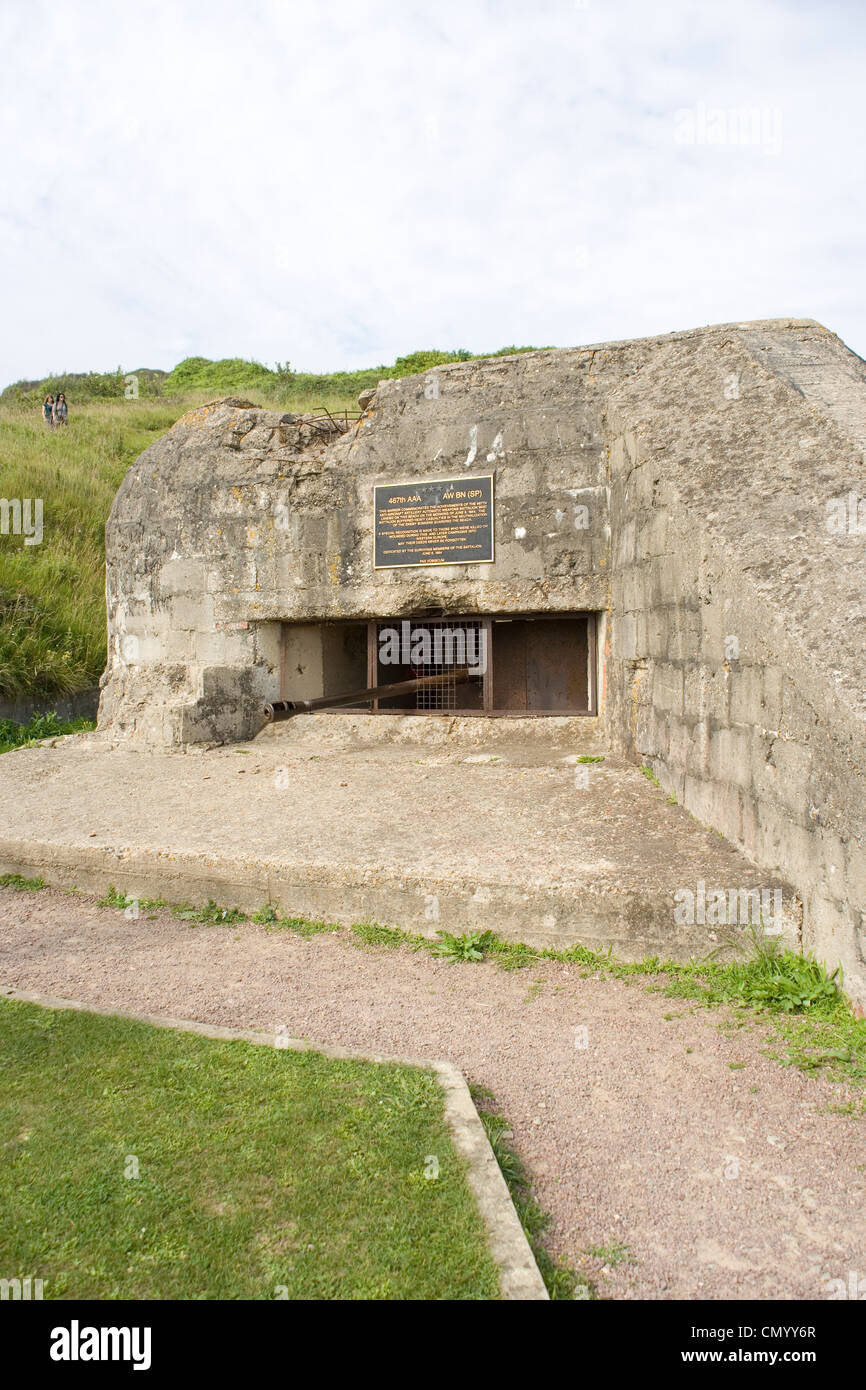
(450, 644)
(444, 697)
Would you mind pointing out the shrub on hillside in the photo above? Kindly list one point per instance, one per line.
(224, 377)
(79, 387)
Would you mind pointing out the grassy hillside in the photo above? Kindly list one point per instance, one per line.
(52, 602)
(201, 378)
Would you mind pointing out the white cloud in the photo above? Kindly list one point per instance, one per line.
(337, 183)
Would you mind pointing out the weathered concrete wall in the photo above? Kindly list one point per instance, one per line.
(738, 617)
(238, 519)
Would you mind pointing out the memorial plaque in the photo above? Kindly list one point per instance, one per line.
(444, 521)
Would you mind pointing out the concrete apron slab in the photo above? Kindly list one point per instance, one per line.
(520, 838)
(352, 729)
(519, 1276)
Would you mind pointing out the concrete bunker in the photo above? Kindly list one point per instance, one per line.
(691, 493)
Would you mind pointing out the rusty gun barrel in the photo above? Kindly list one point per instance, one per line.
(279, 710)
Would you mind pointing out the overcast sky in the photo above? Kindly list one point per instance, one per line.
(338, 182)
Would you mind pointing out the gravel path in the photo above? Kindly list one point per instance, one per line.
(721, 1182)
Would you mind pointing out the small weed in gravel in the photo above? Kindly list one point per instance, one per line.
(113, 898)
(21, 885)
(302, 926)
(848, 1107)
(468, 947)
(373, 934)
(266, 916)
(614, 1253)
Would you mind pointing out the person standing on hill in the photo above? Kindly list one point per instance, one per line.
(61, 409)
(48, 411)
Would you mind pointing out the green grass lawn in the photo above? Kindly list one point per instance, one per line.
(262, 1173)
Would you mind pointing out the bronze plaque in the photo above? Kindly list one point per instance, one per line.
(443, 521)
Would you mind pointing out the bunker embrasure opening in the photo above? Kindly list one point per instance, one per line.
(520, 665)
